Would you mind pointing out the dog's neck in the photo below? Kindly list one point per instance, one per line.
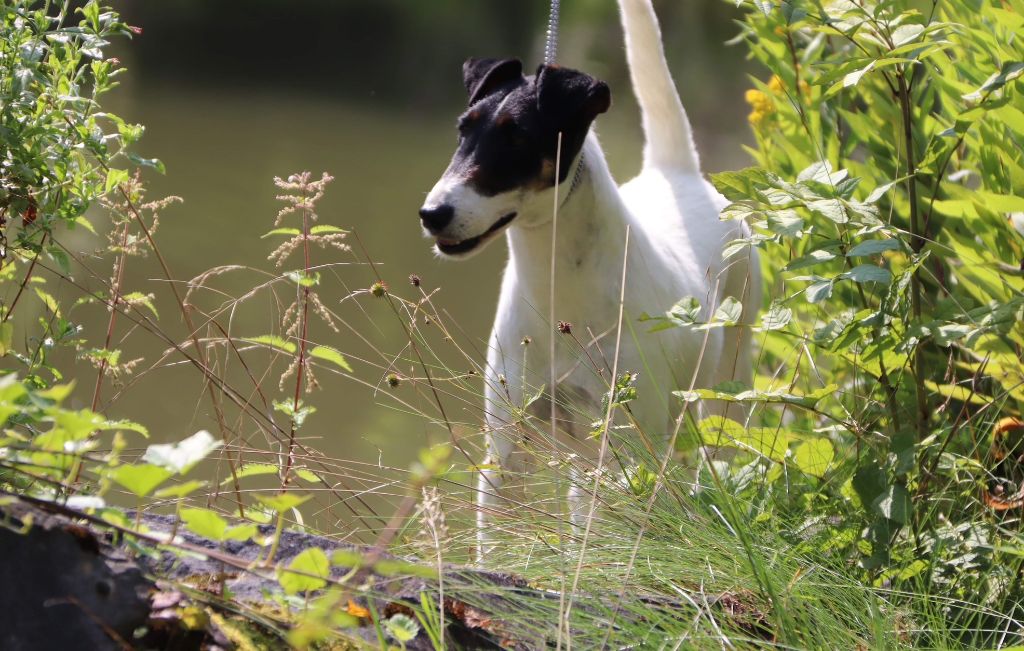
(589, 228)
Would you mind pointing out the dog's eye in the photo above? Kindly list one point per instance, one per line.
(513, 136)
(464, 126)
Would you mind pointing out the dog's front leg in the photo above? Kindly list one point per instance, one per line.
(579, 497)
(490, 487)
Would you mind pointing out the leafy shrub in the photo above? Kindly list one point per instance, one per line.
(60, 149)
(887, 438)
(888, 209)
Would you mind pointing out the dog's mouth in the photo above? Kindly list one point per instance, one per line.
(458, 247)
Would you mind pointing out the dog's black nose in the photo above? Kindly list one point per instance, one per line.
(435, 219)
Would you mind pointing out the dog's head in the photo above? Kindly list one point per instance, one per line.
(504, 166)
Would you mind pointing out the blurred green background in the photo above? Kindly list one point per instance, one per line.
(234, 92)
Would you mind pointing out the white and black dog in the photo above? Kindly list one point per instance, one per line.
(503, 178)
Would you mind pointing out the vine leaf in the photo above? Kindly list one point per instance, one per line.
(182, 456)
(308, 571)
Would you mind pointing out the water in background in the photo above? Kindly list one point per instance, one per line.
(225, 133)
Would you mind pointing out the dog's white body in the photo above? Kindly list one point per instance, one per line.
(675, 250)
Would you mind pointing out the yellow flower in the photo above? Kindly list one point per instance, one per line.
(777, 87)
(758, 100)
(356, 610)
(762, 105)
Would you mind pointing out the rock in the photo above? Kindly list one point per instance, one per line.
(68, 583)
(64, 588)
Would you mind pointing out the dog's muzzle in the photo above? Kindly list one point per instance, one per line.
(437, 219)
(459, 247)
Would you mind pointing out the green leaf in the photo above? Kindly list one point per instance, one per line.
(298, 416)
(140, 479)
(180, 490)
(869, 482)
(6, 337)
(402, 628)
(880, 191)
(328, 354)
(283, 501)
(768, 442)
(776, 318)
(115, 177)
(138, 298)
(868, 273)
(10, 391)
(811, 259)
(951, 332)
(1008, 72)
(765, 6)
(91, 12)
(785, 222)
(727, 314)
(347, 558)
(814, 457)
(915, 569)
(210, 525)
(873, 247)
(959, 393)
(832, 209)
(48, 300)
(57, 392)
(84, 222)
(686, 310)
(153, 163)
(808, 400)
(251, 470)
(124, 425)
(291, 232)
(853, 78)
(308, 571)
(302, 279)
(78, 424)
(204, 523)
(819, 291)
(894, 504)
(322, 229)
(1007, 203)
(273, 341)
(821, 172)
(392, 567)
(625, 392)
(60, 256)
(182, 456)
(241, 532)
(906, 33)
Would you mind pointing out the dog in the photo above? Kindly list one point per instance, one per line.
(526, 149)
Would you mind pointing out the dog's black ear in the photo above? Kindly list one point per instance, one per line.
(570, 97)
(482, 76)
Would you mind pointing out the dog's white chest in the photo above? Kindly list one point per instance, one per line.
(588, 283)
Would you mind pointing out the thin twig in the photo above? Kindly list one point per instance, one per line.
(604, 429)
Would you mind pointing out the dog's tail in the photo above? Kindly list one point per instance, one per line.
(669, 140)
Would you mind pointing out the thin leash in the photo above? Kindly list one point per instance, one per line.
(551, 46)
(550, 52)
(550, 56)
